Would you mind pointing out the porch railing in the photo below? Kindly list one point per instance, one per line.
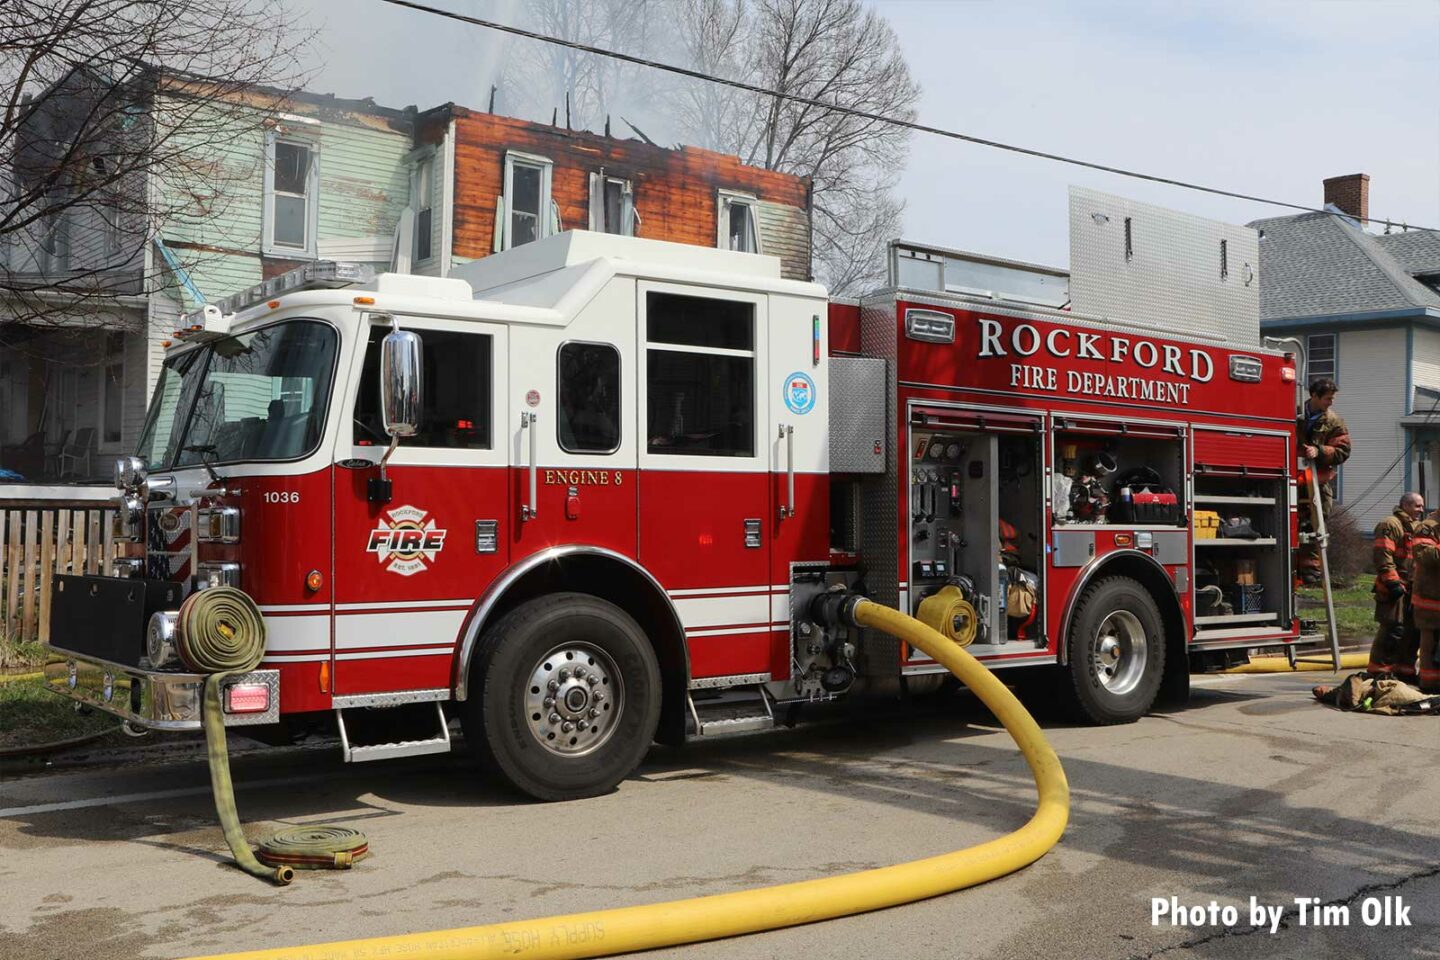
(45, 531)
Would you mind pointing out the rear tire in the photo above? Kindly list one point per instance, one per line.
(1116, 654)
(564, 697)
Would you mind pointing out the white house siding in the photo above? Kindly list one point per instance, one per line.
(1372, 400)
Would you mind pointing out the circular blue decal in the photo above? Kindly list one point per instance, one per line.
(799, 393)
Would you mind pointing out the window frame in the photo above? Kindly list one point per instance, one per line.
(757, 462)
(724, 200)
(501, 435)
(422, 195)
(1334, 362)
(619, 398)
(629, 217)
(268, 246)
(543, 213)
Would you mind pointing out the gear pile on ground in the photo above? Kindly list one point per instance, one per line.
(1368, 694)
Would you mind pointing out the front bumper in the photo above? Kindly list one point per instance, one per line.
(155, 699)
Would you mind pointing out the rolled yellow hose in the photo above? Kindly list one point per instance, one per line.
(947, 612)
(1350, 661)
(631, 929)
(220, 630)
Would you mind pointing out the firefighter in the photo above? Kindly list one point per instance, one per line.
(1396, 637)
(1425, 599)
(1325, 442)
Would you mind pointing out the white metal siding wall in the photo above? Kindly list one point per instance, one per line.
(1372, 387)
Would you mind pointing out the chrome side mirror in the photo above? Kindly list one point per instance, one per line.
(401, 388)
(402, 395)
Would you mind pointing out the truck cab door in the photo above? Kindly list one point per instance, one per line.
(705, 510)
(407, 571)
(572, 431)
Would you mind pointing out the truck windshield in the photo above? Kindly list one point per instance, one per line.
(256, 396)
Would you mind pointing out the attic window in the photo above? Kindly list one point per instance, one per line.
(738, 228)
(525, 212)
(424, 206)
(612, 205)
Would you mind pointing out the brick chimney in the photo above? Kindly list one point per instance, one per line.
(1350, 193)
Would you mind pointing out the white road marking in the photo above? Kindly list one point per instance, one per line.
(62, 805)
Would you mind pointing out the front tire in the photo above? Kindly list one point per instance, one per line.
(564, 697)
(1116, 653)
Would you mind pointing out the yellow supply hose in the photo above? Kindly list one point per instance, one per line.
(1349, 661)
(631, 929)
(220, 632)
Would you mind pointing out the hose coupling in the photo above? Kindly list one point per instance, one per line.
(836, 608)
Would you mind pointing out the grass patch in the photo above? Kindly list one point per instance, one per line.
(20, 656)
(1354, 608)
(32, 715)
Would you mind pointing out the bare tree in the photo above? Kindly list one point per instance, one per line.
(112, 113)
(539, 80)
(833, 51)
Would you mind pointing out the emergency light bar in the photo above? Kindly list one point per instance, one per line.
(318, 275)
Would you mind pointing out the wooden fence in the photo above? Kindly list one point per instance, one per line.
(43, 536)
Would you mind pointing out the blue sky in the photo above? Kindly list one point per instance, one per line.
(1266, 98)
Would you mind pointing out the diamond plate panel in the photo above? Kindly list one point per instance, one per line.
(1171, 275)
(879, 495)
(857, 415)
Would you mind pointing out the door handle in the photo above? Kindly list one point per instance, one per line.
(787, 433)
(530, 510)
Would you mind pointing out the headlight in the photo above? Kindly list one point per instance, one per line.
(218, 525)
(127, 521)
(128, 472)
(160, 638)
(217, 575)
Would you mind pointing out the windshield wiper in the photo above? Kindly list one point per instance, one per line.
(205, 449)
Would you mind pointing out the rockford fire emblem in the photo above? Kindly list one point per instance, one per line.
(408, 541)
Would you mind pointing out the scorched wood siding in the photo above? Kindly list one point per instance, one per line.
(675, 190)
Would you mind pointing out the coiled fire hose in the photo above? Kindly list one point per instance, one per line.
(631, 929)
(220, 632)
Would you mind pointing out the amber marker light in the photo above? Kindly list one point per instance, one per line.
(364, 301)
(272, 304)
(313, 581)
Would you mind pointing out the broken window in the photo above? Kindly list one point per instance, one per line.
(612, 205)
(424, 205)
(290, 188)
(738, 229)
(525, 212)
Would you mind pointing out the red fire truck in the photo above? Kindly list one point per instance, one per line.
(585, 494)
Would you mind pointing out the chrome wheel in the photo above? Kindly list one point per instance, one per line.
(1119, 655)
(573, 699)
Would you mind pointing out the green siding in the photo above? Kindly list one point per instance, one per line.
(363, 186)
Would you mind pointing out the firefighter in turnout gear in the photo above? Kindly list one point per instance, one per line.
(1425, 599)
(1396, 638)
(1324, 442)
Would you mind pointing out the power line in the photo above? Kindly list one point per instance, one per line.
(865, 114)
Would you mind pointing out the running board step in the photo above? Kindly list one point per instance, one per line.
(381, 723)
(731, 713)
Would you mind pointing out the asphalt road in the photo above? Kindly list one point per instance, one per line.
(1251, 791)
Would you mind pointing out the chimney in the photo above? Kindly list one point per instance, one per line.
(1350, 194)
